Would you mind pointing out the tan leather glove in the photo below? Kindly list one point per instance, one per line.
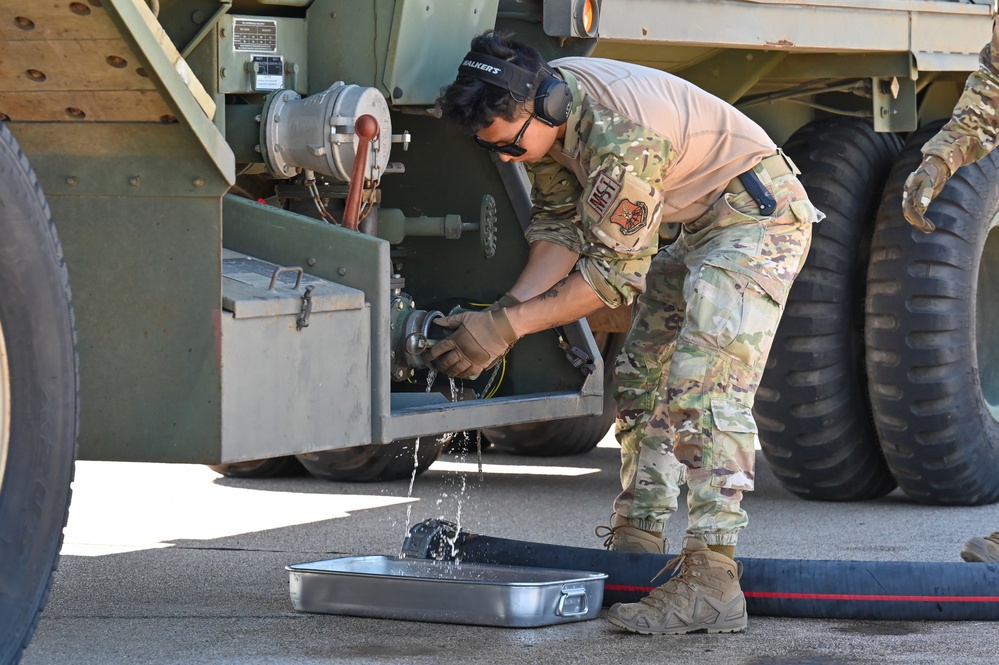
(505, 300)
(478, 341)
(921, 187)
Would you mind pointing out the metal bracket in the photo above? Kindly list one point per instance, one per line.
(894, 102)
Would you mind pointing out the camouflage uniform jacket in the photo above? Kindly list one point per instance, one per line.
(605, 189)
(971, 133)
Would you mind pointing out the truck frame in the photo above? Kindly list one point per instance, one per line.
(261, 218)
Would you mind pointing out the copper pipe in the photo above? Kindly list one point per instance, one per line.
(366, 128)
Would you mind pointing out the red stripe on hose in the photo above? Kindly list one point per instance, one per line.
(833, 596)
(852, 596)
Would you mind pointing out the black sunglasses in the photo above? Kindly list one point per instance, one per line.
(511, 149)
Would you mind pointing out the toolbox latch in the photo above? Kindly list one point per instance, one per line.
(572, 602)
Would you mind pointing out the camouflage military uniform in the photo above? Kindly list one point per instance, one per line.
(694, 356)
(706, 308)
(971, 133)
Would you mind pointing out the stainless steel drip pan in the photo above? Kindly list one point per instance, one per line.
(445, 592)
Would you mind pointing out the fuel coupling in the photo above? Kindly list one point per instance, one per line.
(413, 331)
(289, 133)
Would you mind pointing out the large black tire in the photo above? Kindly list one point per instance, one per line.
(812, 409)
(933, 335)
(272, 467)
(374, 463)
(38, 384)
(565, 436)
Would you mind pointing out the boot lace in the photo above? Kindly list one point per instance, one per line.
(607, 533)
(657, 598)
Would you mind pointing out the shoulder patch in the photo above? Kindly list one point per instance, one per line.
(631, 216)
(605, 190)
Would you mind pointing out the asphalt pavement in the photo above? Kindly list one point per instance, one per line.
(174, 564)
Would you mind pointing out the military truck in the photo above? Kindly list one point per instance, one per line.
(261, 219)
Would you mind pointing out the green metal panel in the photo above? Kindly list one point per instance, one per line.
(145, 276)
(408, 49)
(137, 207)
(429, 38)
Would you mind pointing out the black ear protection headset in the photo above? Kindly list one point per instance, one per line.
(552, 99)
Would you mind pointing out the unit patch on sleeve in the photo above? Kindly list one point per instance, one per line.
(631, 216)
(605, 190)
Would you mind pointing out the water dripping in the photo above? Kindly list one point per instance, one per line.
(453, 542)
(409, 494)
(478, 452)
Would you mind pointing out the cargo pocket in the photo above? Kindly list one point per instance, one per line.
(733, 449)
(714, 307)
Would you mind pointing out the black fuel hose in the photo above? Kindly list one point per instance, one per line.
(784, 587)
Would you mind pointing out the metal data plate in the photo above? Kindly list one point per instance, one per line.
(259, 54)
(446, 592)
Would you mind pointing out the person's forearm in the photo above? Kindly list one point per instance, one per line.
(547, 263)
(570, 299)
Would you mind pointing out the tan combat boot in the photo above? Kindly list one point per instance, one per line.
(620, 536)
(983, 550)
(704, 595)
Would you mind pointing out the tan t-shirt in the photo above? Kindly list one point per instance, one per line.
(710, 141)
(642, 147)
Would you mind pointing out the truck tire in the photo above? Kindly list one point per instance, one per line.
(566, 436)
(932, 335)
(272, 467)
(812, 410)
(38, 399)
(375, 463)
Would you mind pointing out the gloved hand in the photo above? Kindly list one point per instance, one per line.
(921, 187)
(479, 340)
(505, 300)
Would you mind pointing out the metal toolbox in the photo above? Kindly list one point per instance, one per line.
(446, 592)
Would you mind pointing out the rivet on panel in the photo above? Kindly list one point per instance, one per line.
(24, 23)
(199, 182)
(134, 181)
(72, 181)
(311, 261)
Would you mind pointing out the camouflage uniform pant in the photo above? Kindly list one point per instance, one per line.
(688, 374)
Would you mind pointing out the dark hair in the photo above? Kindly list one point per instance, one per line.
(473, 104)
